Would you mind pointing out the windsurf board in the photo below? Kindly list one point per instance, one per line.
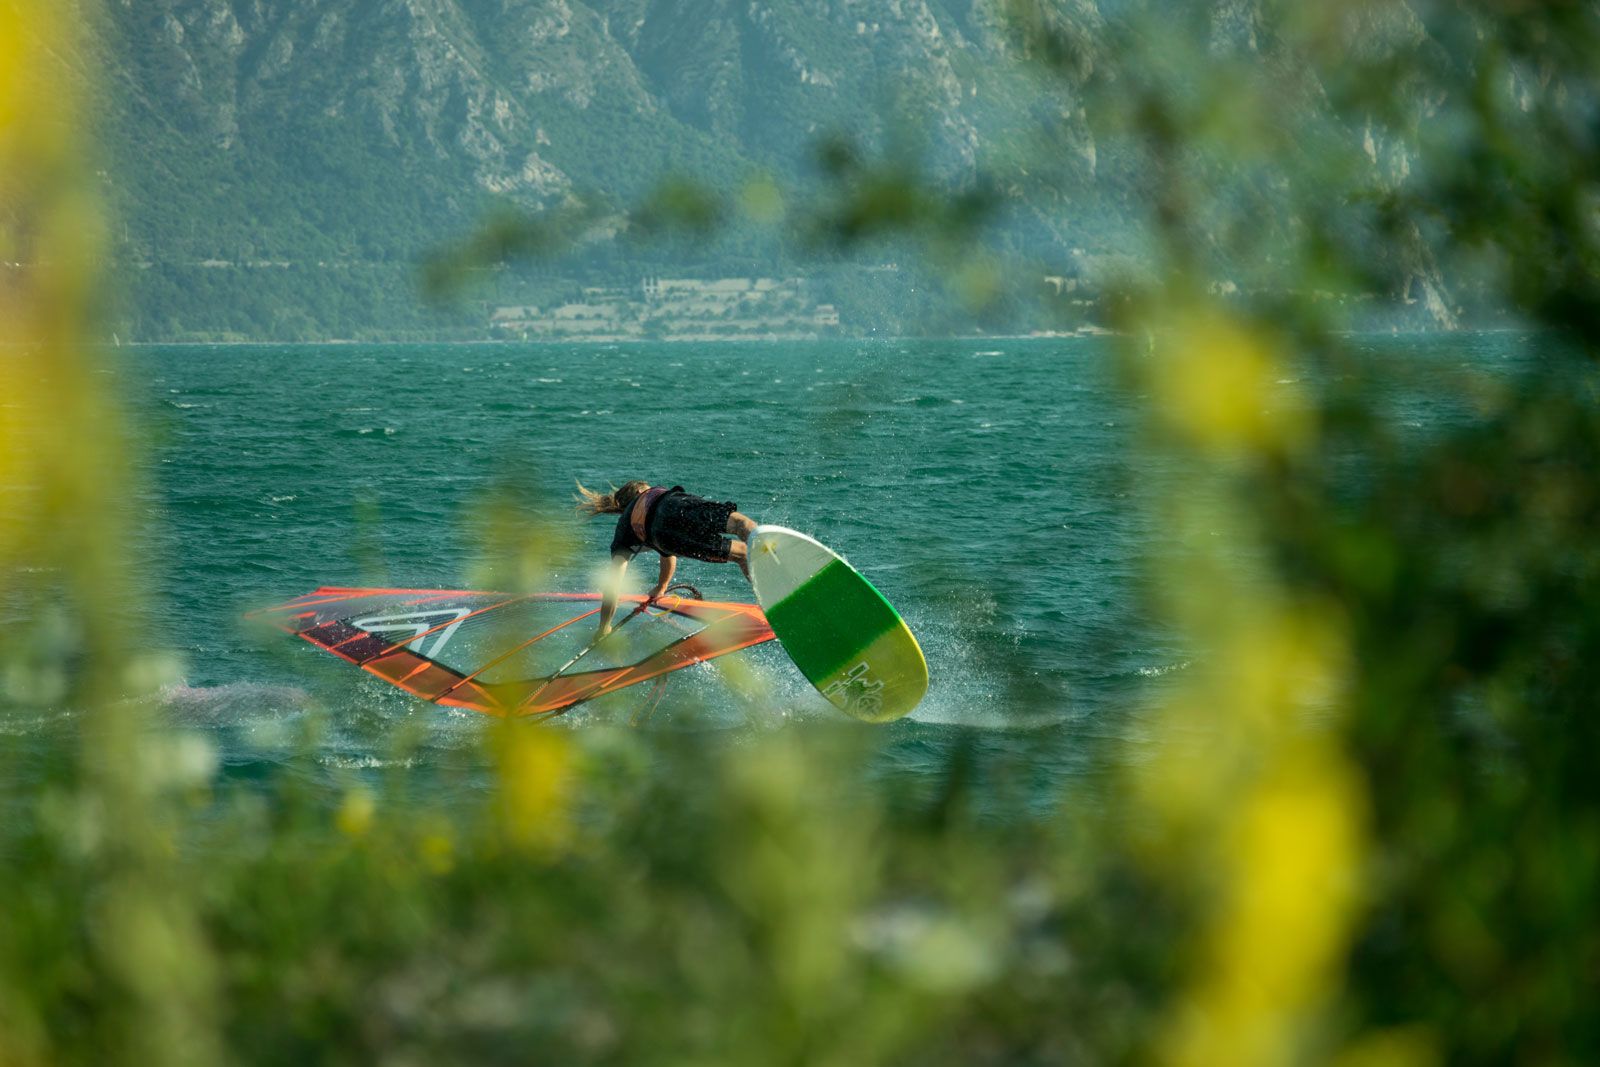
(844, 636)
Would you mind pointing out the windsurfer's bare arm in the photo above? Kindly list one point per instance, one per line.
(609, 593)
(740, 527)
(668, 565)
(738, 553)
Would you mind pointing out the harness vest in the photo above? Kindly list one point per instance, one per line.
(639, 510)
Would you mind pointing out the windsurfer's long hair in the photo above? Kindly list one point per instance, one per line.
(612, 503)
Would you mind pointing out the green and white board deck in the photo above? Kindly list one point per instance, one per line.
(840, 631)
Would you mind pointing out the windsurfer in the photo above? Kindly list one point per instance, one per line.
(670, 522)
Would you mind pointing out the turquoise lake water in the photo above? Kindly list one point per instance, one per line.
(981, 485)
(989, 489)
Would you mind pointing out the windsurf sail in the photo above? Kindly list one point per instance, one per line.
(515, 655)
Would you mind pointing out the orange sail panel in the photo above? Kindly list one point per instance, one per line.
(510, 655)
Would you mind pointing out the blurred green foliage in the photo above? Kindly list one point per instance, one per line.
(1415, 617)
(1366, 831)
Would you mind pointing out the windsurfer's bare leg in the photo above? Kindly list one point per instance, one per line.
(737, 553)
(740, 525)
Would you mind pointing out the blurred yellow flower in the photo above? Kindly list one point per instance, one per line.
(1225, 388)
(355, 814)
(1254, 804)
(1269, 672)
(438, 850)
(537, 772)
(14, 32)
(1398, 1046)
(1288, 846)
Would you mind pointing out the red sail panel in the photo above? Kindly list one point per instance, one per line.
(731, 633)
(512, 655)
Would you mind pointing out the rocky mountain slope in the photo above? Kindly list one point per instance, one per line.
(278, 167)
(369, 129)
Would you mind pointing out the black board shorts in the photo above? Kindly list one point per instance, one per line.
(682, 524)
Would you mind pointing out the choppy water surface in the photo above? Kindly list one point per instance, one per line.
(986, 487)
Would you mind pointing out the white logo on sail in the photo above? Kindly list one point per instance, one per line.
(415, 624)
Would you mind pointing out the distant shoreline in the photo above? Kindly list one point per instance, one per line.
(1057, 335)
(506, 341)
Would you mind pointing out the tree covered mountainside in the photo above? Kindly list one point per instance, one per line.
(280, 170)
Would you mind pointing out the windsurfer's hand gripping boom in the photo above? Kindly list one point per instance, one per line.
(613, 588)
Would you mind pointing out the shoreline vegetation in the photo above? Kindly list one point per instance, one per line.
(1042, 335)
(599, 340)
(758, 308)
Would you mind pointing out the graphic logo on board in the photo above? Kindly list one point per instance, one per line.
(857, 691)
